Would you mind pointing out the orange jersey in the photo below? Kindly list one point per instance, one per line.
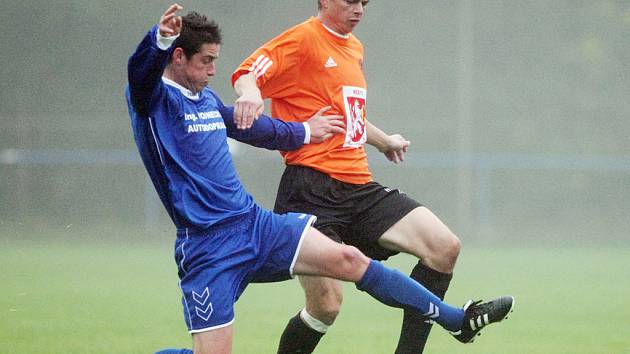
(309, 67)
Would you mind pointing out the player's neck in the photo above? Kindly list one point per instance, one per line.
(179, 82)
(331, 27)
(172, 75)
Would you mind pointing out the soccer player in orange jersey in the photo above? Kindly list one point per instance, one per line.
(311, 65)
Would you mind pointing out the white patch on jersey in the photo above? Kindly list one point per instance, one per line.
(330, 63)
(354, 99)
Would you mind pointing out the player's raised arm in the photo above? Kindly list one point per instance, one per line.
(146, 65)
(275, 61)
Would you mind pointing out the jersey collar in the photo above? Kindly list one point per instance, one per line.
(336, 34)
(186, 92)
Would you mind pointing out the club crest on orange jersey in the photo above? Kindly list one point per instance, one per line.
(354, 99)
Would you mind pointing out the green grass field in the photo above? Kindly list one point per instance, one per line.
(89, 293)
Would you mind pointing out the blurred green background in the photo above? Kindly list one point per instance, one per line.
(519, 118)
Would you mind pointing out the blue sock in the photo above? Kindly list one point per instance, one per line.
(175, 351)
(394, 288)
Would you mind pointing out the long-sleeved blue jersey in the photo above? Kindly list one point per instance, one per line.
(182, 139)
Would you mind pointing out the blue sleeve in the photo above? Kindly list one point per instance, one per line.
(266, 132)
(144, 70)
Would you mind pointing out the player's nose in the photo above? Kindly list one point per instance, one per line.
(358, 8)
(212, 69)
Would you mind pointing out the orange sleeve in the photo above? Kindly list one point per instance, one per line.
(275, 65)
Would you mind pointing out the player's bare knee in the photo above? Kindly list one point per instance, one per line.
(453, 248)
(352, 262)
(442, 254)
(449, 251)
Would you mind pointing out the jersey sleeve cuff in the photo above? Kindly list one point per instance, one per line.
(307, 133)
(165, 42)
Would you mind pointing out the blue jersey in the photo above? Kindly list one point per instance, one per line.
(182, 139)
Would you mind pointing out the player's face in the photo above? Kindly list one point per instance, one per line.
(200, 67)
(342, 16)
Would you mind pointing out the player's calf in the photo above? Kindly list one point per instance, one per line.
(323, 297)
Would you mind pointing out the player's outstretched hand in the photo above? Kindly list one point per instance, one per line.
(170, 23)
(323, 127)
(396, 148)
(247, 108)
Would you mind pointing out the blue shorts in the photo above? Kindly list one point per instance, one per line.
(216, 265)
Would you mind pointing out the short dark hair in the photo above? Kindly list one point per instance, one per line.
(197, 30)
(319, 4)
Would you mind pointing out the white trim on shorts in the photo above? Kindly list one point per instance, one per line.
(310, 223)
(211, 328)
(187, 317)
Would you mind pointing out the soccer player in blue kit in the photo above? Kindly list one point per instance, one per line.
(224, 239)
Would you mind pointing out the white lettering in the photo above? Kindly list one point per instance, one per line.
(202, 115)
(196, 128)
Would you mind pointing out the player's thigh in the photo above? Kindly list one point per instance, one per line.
(319, 255)
(377, 209)
(422, 234)
(217, 341)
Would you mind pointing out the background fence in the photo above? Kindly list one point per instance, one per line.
(509, 190)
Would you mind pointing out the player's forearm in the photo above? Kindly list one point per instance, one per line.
(267, 132)
(246, 84)
(274, 134)
(376, 137)
(150, 59)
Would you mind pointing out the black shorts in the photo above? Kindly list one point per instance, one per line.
(355, 214)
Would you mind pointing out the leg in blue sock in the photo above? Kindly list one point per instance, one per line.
(394, 288)
(175, 351)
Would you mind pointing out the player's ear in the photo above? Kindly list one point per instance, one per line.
(177, 56)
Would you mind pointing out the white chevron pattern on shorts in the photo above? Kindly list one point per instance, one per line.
(203, 311)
